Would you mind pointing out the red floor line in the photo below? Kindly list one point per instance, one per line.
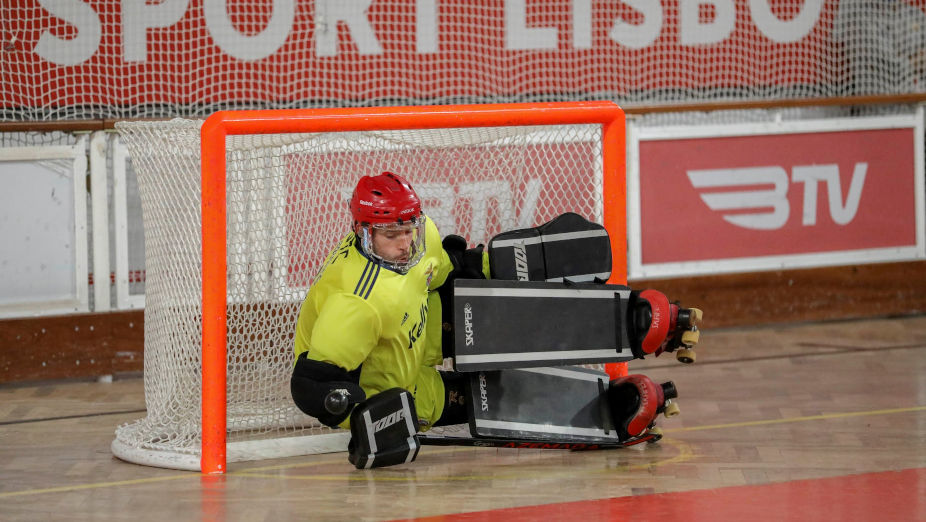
(888, 495)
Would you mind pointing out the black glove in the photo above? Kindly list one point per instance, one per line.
(467, 262)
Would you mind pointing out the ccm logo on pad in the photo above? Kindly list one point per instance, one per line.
(388, 420)
(520, 262)
(776, 197)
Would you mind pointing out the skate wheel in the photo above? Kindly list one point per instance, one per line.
(691, 337)
(685, 355)
(671, 410)
(696, 315)
(655, 430)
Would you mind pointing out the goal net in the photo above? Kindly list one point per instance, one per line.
(274, 210)
(121, 60)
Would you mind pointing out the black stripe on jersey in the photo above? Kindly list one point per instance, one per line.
(356, 288)
(367, 279)
(373, 282)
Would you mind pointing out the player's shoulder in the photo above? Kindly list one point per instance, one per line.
(356, 284)
(431, 234)
(343, 265)
(366, 278)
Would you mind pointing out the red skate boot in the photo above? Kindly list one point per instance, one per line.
(635, 402)
(660, 326)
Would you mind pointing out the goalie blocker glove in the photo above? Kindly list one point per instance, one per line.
(383, 430)
(468, 263)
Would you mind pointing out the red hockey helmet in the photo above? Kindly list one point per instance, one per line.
(387, 198)
(387, 204)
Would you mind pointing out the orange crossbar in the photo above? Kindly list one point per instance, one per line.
(225, 123)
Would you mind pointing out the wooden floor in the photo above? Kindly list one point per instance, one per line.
(774, 423)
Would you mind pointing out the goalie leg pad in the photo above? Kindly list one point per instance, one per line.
(383, 430)
(558, 404)
(635, 402)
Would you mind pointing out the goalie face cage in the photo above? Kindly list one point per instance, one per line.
(275, 188)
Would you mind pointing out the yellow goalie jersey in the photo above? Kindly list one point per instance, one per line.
(359, 313)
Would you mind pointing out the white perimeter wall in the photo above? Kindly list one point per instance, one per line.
(72, 240)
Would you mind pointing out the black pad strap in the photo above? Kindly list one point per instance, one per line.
(383, 430)
(456, 391)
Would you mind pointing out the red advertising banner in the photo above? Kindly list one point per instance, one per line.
(100, 52)
(794, 196)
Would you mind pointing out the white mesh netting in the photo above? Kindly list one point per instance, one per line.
(287, 207)
(122, 60)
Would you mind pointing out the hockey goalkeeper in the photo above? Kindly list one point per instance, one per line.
(369, 333)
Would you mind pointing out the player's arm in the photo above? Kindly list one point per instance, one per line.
(344, 333)
(346, 330)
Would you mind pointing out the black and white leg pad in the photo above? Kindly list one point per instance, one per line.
(383, 430)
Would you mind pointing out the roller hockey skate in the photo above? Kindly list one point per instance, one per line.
(636, 401)
(659, 326)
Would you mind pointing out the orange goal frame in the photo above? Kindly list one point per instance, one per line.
(214, 249)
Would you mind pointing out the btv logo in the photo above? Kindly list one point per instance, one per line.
(776, 197)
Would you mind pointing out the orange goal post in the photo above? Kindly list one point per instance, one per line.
(273, 189)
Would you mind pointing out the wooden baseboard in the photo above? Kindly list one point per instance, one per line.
(91, 345)
(71, 346)
(791, 296)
